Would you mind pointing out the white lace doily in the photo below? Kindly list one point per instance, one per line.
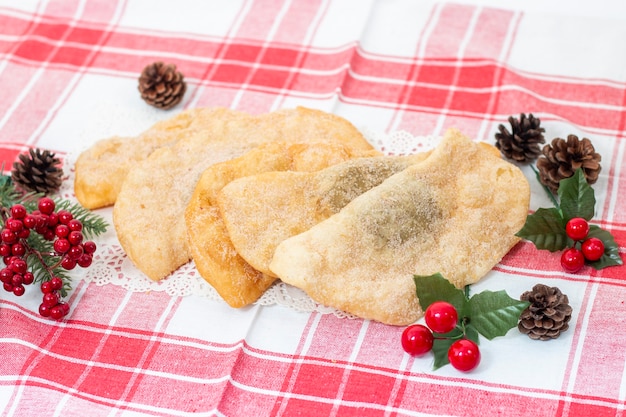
(111, 266)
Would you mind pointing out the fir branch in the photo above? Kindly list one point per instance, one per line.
(93, 224)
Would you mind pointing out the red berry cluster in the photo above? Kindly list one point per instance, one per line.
(441, 317)
(70, 250)
(591, 248)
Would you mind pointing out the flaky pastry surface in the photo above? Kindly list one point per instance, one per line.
(102, 168)
(214, 255)
(456, 213)
(260, 211)
(148, 214)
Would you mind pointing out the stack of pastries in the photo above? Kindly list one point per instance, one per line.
(299, 195)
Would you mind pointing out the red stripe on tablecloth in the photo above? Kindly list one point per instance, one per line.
(38, 106)
(369, 79)
(603, 345)
(194, 381)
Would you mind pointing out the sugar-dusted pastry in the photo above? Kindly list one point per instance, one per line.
(260, 211)
(101, 169)
(149, 211)
(456, 213)
(216, 259)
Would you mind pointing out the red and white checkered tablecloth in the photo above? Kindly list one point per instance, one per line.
(69, 69)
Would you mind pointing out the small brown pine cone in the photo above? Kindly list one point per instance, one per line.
(563, 157)
(522, 143)
(161, 85)
(548, 314)
(37, 171)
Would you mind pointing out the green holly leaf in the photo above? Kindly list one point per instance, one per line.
(611, 250)
(577, 198)
(431, 288)
(546, 229)
(442, 344)
(493, 314)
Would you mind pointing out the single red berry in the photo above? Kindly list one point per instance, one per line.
(464, 355)
(57, 312)
(75, 237)
(65, 306)
(48, 234)
(23, 234)
(572, 260)
(6, 274)
(17, 280)
(18, 265)
(29, 278)
(18, 249)
(593, 249)
(56, 282)
(68, 263)
(14, 225)
(85, 260)
(8, 287)
(62, 230)
(8, 236)
(46, 205)
(53, 220)
(46, 287)
(65, 216)
(75, 252)
(5, 250)
(89, 247)
(50, 299)
(577, 228)
(61, 246)
(441, 317)
(417, 339)
(44, 310)
(18, 211)
(75, 225)
(30, 221)
(19, 290)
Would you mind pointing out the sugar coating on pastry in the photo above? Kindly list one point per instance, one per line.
(148, 214)
(260, 211)
(102, 168)
(455, 213)
(214, 255)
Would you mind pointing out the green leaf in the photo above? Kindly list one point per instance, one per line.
(577, 197)
(495, 313)
(441, 346)
(611, 250)
(431, 288)
(546, 229)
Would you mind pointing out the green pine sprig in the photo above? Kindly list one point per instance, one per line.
(41, 258)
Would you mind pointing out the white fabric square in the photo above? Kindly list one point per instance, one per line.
(395, 27)
(575, 47)
(182, 16)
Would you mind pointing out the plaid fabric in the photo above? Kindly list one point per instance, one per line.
(68, 70)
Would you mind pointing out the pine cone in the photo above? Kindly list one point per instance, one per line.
(38, 171)
(547, 315)
(522, 144)
(161, 85)
(563, 157)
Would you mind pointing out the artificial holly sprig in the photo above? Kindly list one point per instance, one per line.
(490, 314)
(546, 228)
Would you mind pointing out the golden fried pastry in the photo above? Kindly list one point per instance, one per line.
(216, 259)
(149, 211)
(456, 213)
(101, 169)
(260, 211)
